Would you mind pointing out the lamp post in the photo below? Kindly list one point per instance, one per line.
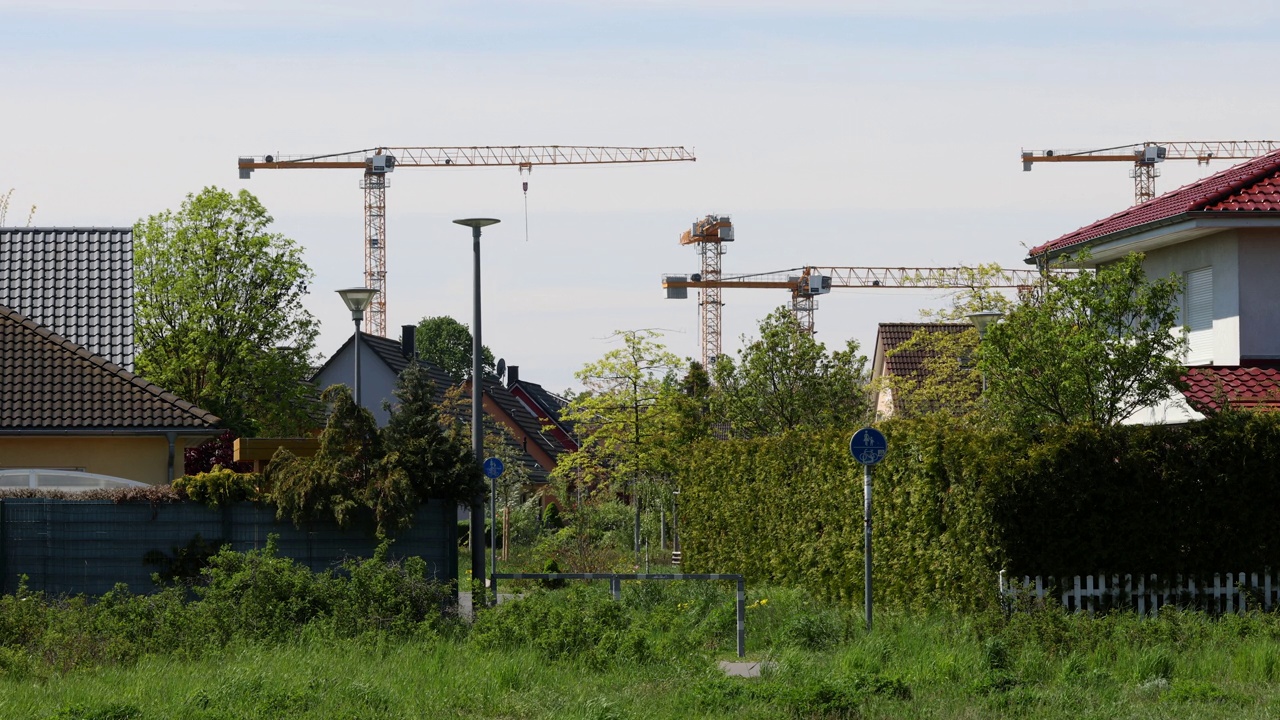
(477, 433)
(981, 320)
(357, 299)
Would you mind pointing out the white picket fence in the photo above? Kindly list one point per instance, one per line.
(1146, 594)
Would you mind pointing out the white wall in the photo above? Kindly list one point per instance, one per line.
(1260, 293)
(1221, 252)
(376, 379)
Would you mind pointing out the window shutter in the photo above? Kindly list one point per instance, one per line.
(1199, 316)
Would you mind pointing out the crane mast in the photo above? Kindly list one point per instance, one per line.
(379, 162)
(1146, 157)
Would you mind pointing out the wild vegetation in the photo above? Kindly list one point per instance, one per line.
(261, 637)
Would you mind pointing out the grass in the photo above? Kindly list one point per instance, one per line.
(1043, 665)
(265, 638)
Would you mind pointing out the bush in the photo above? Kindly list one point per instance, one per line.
(221, 486)
(582, 622)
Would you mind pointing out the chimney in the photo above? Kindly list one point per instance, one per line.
(513, 375)
(406, 340)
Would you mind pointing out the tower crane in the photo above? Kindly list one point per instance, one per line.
(377, 163)
(808, 282)
(1146, 156)
(804, 283)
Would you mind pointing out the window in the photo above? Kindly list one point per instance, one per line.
(1197, 314)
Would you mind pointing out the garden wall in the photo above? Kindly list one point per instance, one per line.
(87, 546)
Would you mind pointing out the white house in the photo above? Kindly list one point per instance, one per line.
(1221, 234)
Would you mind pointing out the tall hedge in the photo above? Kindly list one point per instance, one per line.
(955, 503)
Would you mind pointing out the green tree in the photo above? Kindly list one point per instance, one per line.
(447, 343)
(617, 414)
(948, 379)
(219, 319)
(417, 457)
(787, 380)
(1088, 347)
(624, 424)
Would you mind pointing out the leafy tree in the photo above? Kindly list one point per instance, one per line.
(618, 415)
(787, 380)
(390, 471)
(1090, 347)
(219, 315)
(978, 295)
(948, 381)
(447, 343)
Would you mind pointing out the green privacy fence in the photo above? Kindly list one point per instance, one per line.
(87, 546)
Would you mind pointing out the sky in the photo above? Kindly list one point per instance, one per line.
(854, 133)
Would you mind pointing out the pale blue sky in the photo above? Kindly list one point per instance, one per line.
(834, 133)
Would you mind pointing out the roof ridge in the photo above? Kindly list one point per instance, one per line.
(1179, 201)
(110, 367)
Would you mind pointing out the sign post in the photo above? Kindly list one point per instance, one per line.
(868, 447)
(493, 468)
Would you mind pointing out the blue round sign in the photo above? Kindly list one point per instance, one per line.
(493, 468)
(868, 446)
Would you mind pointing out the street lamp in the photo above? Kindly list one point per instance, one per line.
(982, 320)
(357, 299)
(477, 433)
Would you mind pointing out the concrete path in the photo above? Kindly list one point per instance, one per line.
(743, 668)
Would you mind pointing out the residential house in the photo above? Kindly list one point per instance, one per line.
(890, 361)
(64, 407)
(545, 406)
(381, 362)
(1221, 235)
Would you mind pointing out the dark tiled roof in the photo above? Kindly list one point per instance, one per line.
(547, 406)
(530, 424)
(390, 352)
(1250, 187)
(78, 282)
(48, 382)
(909, 362)
(1209, 388)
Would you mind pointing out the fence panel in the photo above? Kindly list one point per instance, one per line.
(87, 546)
(1220, 594)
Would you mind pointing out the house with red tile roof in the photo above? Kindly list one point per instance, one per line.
(1221, 235)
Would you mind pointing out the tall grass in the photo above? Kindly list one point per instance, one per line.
(262, 641)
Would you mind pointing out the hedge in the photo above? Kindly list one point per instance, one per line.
(955, 503)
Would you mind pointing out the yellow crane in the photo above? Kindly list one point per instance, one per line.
(379, 162)
(804, 283)
(1146, 157)
(808, 282)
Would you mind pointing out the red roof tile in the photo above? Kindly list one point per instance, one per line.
(1209, 388)
(1252, 186)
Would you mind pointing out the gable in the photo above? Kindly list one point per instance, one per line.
(77, 282)
(50, 383)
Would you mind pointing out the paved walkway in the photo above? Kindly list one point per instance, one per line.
(743, 668)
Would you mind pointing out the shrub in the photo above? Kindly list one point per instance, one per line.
(221, 486)
(582, 622)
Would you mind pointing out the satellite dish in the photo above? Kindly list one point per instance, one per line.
(501, 368)
(270, 159)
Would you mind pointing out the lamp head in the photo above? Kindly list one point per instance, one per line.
(983, 319)
(357, 299)
(477, 222)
